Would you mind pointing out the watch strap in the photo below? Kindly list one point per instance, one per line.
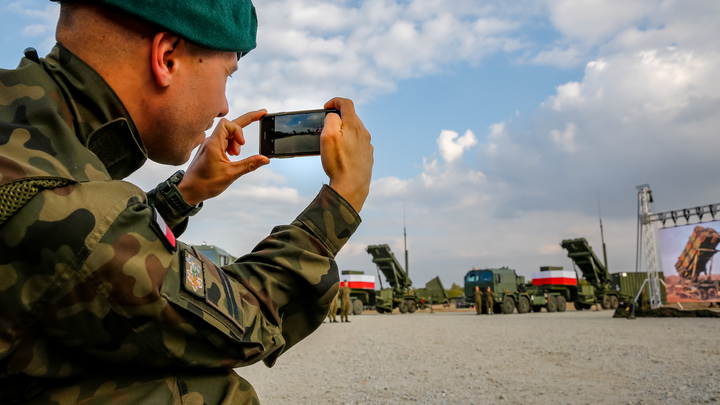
(174, 199)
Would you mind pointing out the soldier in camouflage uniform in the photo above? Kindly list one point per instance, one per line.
(332, 315)
(345, 306)
(478, 301)
(489, 300)
(99, 303)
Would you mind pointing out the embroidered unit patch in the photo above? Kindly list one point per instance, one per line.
(194, 280)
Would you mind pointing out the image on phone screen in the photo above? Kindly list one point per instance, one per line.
(292, 134)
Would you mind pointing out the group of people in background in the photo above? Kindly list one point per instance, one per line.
(489, 297)
(345, 306)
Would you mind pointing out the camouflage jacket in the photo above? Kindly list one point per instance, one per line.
(91, 278)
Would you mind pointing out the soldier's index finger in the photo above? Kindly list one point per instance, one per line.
(248, 118)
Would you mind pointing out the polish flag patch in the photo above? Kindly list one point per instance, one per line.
(163, 231)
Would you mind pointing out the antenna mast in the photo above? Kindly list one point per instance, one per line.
(407, 269)
(602, 235)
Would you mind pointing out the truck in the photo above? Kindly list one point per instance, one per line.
(217, 255)
(596, 284)
(399, 294)
(696, 259)
(362, 290)
(553, 287)
(511, 291)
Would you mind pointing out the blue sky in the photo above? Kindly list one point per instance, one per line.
(498, 126)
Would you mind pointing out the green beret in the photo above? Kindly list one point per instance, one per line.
(224, 25)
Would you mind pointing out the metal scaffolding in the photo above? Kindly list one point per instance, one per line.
(647, 241)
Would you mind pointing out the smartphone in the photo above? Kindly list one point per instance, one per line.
(290, 134)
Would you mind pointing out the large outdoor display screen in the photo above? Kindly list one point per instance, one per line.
(687, 254)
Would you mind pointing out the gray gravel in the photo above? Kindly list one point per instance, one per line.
(583, 357)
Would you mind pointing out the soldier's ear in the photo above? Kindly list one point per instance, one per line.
(165, 57)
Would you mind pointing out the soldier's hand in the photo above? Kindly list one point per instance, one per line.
(346, 153)
(211, 171)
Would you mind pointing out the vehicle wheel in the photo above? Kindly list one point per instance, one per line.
(411, 306)
(605, 302)
(537, 308)
(712, 294)
(523, 305)
(614, 302)
(704, 295)
(561, 304)
(403, 307)
(551, 304)
(508, 305)
(423, 306)
(578, 306)
(357, 307)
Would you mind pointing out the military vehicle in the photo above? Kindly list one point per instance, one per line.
(399, 295)
(362, 290)
(433, 294)
(216, 254)
(597, 285)
(552, 288)
(512, 292)
(696, 259)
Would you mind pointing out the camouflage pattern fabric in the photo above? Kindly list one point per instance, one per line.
(489, 301)
(97, 303)
(332, 315)
(345, 306)
(478, 302)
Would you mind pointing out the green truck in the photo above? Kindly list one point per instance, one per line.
(596, 285)
(362, 290)
(552, 288)
(218, 256)
(511, 291)
(400, 294)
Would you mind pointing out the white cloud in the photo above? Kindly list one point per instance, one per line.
(591, 21)
(565, 140)
(452, 147)
(34, 30)
(361, 51)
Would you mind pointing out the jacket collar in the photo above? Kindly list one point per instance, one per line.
(100, 119)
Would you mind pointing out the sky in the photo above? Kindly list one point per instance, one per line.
(500, 128)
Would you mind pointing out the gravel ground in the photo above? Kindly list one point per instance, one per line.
(575, 357)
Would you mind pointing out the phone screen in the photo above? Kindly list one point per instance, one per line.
(292, 134)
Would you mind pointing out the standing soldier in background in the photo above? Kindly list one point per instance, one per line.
(345, 310)
(99, 302)
(489, 300)
(478, 300)
(332, 315)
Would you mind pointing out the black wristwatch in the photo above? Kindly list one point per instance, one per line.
(169, 191)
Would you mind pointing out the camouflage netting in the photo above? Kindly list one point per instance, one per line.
(14, 195)
(666, 313)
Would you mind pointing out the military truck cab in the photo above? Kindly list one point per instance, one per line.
(511, 292)
(502, 282)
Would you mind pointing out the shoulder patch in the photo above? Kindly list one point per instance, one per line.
(193, 278)
(163, 231)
